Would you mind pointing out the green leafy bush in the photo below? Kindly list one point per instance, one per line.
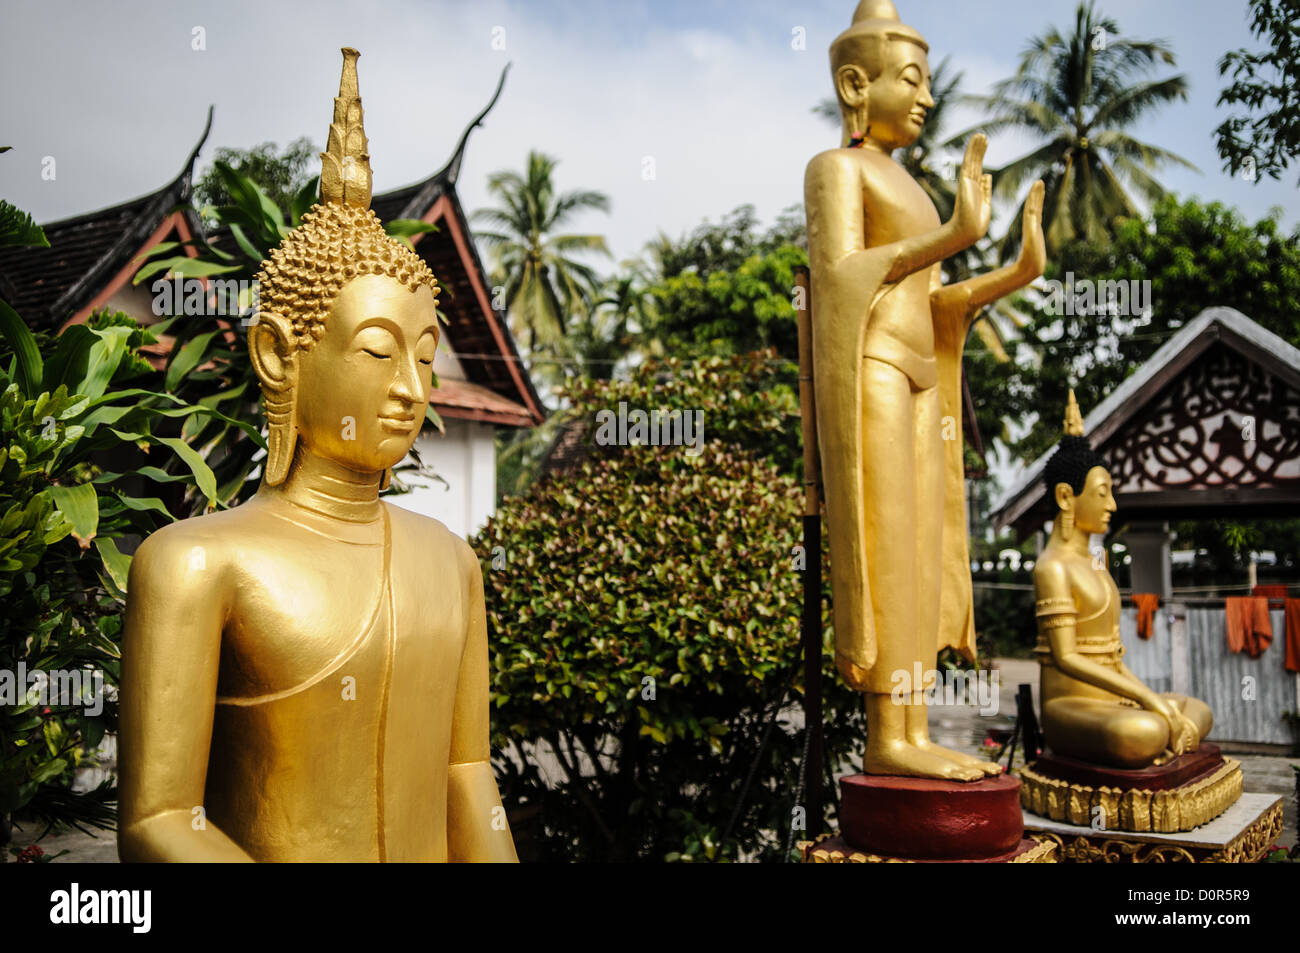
(64, 414)
(644, 618)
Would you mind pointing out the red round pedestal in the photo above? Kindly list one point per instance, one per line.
(925, 819)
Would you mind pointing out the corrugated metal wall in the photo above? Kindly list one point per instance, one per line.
(1149, 659)
(1247, 696)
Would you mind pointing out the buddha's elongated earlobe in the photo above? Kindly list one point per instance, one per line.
(281, 436)
(275, 360)
(1064, 495)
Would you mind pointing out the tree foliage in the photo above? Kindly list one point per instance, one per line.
(545, 281)
(1195, 256)
(1078, 92)
(645, 627)
(280, 173)
(87, 402)
(1264, 136)
(728, 287)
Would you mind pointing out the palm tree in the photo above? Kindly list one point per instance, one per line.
(1078, 93)
(609, 333)
(544, 284)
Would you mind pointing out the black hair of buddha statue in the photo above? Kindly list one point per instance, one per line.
(1070, 464)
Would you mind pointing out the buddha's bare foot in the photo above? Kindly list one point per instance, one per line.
(969, 760)
(909, 760)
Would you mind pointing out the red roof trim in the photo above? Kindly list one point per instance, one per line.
(441, 212)
(176, 221)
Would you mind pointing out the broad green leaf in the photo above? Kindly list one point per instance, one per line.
(144, 504)
(104, 358)
(247, 247)
(117, 565)
(26, 353)
(153, 473)
(187, 359)
(182, 266)
(303, 200)
(50, 769)
(435, 418)
(404, 228)
(80, 504)
(203, 474)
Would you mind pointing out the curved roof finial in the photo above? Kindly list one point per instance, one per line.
(452, 169)
(187, 172)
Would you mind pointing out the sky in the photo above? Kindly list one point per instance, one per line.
(715, 95)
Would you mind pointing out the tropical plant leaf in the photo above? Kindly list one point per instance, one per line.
(18, 228)
(80, 505)
(187, 358)
(116, 564)
(27, 356)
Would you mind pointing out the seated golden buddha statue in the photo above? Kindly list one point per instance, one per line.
(305, 677)
(1095, 709)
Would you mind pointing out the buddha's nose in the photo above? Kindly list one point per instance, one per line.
(406, 386)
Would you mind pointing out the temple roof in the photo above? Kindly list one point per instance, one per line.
(50, 286)
(1208, 426)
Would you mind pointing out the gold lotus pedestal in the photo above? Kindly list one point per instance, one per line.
(1182, 795)
(1190, 809)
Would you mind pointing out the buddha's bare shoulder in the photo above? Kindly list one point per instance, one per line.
(838, 164)
(203, 542)
(833, 164)
(445, 546)
(1053, 573)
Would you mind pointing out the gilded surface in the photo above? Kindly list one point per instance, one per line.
(1043, 852)
(1163, 812)
(1248, 847)
(305, 677)
(1094, 708)
(887, 343)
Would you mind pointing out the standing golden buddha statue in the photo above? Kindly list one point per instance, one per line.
(887, 345)
(1119, 755)
(305, 677)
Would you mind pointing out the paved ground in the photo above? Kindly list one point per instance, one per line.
(958, 727)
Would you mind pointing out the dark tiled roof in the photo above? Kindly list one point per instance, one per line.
(49, 285)
(568, 450)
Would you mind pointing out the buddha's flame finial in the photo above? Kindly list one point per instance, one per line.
(875, 10)
(345, 163)
(1073, 419)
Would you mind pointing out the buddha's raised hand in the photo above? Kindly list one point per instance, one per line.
(974, 205)
(1033, 250)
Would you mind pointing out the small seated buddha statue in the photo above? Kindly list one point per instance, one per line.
(305, 676)
(1094, 709)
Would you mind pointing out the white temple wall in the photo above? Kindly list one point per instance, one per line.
(465, 457)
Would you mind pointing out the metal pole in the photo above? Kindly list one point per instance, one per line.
(812, 573)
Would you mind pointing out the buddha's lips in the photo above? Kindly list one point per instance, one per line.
(398, 423)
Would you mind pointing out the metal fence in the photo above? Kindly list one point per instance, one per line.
(1188, 653)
